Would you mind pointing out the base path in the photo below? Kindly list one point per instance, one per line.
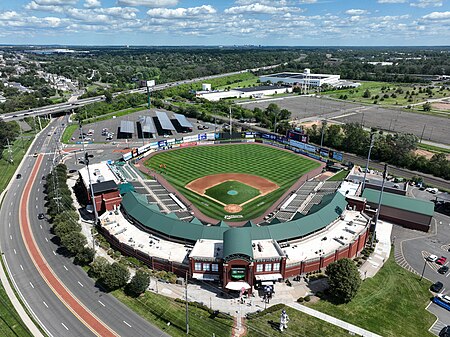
(66, 297)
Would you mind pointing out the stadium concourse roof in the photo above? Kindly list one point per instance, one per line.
(237, 242)
(166, 124)
(148, 215)
(400, 202)
(183, 121)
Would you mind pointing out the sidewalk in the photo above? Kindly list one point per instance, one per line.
(381, 253)
(332, 320)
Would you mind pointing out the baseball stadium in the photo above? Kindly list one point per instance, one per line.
(242, 215)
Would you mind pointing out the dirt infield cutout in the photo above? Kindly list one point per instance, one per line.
(202, 184)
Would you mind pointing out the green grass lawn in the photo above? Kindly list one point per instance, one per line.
(10, 323)
(160, 310)
(388, 96)
(188, 164)
(339, 176)
(68, 133)
(432, 148)
(19, 147)
(243, 192)
(299, 325)
(390, 304)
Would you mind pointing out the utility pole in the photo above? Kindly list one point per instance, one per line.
(187, 304)
(379, 204)
(9, 151)
(421, 136)
(372, 138)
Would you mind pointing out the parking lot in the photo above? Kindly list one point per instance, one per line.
(304, 108)
(113, 126)
(414, 247)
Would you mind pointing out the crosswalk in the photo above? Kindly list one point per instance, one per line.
(401, 261)
(437, 327)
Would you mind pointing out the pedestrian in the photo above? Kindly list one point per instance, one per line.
(284, 319)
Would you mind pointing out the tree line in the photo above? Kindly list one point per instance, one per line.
(396, 149)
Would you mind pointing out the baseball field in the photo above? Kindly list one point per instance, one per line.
(234, 182)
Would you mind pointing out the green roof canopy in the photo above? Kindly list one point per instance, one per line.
(237, 242)
(126, 187)
(148, 215)
(400, 202)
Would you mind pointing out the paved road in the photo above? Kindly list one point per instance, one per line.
(56, 319)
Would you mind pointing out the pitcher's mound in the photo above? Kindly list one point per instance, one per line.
(233, 208)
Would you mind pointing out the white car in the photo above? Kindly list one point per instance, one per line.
(432, 258)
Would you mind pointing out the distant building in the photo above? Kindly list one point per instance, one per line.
(251, 92)
(305, 78)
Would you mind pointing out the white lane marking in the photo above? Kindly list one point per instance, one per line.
(36, 206)
(40, 226)
(9, 213)
(9, 225)
(80, 284)
(45, 304)
(65, 326)
(15, 251)
(21, 267)
(10, 236)
(54, 253)
(15, 193)
(65, 268)
(448, 274)
(38, 189)
(46, 239)
(36, 198)
(101, 303)
(127, 324)
(31, 284)
(11, 203)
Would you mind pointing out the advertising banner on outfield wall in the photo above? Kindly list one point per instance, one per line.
(211, 136)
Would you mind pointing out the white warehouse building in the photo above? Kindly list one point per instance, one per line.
(251, 92)
(302, 79)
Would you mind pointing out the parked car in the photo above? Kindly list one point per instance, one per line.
(443, 270)
(441, 260)
(436, 287)
(41, 216)
(432, 258)
(18, 176)
(445, 332)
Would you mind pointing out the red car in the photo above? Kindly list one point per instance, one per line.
(441, 260)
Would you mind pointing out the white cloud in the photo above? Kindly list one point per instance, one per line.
(92, 3)
(121, 12)
(356, 12)
(181, 12)
(307, 1)
(8, 15)
(148, 3)
(34, 6)
(391, 1)
(55, 2)
(427, 3)
(437, 16)
(258, 8)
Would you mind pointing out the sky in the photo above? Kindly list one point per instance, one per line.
(222, 22)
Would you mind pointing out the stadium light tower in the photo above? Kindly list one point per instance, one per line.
(372, 139)
(385, 172)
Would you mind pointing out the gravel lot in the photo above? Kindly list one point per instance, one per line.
(305, 109)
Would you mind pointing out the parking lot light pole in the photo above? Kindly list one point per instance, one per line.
(423, 270)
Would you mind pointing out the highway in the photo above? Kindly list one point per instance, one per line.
(63, 107)
(54, 317)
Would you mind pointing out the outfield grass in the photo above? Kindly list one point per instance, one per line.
(160, 310)
(188, 164)
(243, 192)
(299, 325)
(390, 304)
